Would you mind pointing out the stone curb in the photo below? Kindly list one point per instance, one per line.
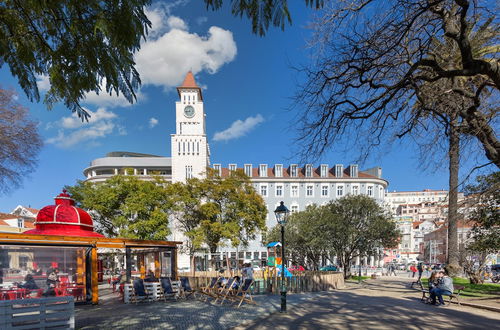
(490, 308)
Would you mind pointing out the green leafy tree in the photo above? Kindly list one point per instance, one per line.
(306, 237)
(126, 206)
(347, 227)
(357, 227)
(484, 238)
(187, 200)
(79, 45)
(231, 211)
(262, 12)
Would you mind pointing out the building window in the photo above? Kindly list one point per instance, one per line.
(218, 169)
(294, 171)
(309, 190)
(20, 223)
(248, 255)
(256, 255)
(232, 167)
(278, 170)
(354, 171)
(355, 190)
(248, 170)
(309, 171)
(369, 191)
(294, 191)
(263, 255)
(324, 191)
(294, 208)
(324, 171)
(189, 172)
(279, 190)
(263, 190)
(340, 191)
(339, 171)
(263, 170)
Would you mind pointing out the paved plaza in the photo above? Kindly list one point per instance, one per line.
(386, 303)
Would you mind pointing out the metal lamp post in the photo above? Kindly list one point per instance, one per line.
(282, 214)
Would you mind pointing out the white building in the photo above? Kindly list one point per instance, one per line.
(298, 186)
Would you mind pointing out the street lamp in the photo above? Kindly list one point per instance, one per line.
(282, 214)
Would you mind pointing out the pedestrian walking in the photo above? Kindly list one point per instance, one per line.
(413, 270)
(420, 268)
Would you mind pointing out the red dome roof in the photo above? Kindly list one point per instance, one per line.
(64, 219)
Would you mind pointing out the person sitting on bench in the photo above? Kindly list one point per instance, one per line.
(444, 287)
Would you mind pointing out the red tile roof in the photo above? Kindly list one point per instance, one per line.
(189, 81)
(300, 173)
(32, 210)
(7, 216)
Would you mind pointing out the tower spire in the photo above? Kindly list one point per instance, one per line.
(189, 83)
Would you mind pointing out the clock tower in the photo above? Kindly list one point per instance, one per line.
(190, 151)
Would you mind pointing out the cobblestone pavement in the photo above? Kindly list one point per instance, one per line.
(182, 314)
(387, 303)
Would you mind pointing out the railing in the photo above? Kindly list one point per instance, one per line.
(44, 313)
(306, 282)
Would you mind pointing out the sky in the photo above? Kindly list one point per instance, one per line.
(247, 82)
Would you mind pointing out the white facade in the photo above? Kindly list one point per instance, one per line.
(298, 186)
(190, 151)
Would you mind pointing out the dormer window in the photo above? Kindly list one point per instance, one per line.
(278, 170)
(324, 170)
(353, 171)
(263, 170)
(20, 223)
(232, 167)
(339, 171)
(294, 171)
(248, 170)
(218, 169)
(309, 170)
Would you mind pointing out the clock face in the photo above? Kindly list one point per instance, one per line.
(189, 111)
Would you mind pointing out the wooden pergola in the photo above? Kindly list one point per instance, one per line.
(93, 243)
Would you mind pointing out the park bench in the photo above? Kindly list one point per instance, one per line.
(455, 295)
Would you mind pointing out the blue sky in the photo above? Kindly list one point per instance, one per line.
(248, 84)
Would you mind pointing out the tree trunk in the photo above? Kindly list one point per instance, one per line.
(453, 154)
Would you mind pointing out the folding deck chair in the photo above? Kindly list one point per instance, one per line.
(211, 289)
(243, 294)
(187, 290)
(139, 291)
(227, 291)
(168, 290)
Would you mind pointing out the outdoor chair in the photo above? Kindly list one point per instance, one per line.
(139, 291)
(227, 291)
(211, 289)
(244, 293)
(187, 290)
(168, 290)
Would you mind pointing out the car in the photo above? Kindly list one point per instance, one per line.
(296, 268)
(329, 268)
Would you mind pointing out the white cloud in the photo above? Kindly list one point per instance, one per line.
(43, 83)
(202, 19)
(153, 122)
(164, 58)
(238, 128)
(169, 52)
(73, 131)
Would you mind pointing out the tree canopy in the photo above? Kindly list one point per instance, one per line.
(81, 46)
(347, 227)
(19, 142)
(231, 211)
(126, 206)
(262, 13)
